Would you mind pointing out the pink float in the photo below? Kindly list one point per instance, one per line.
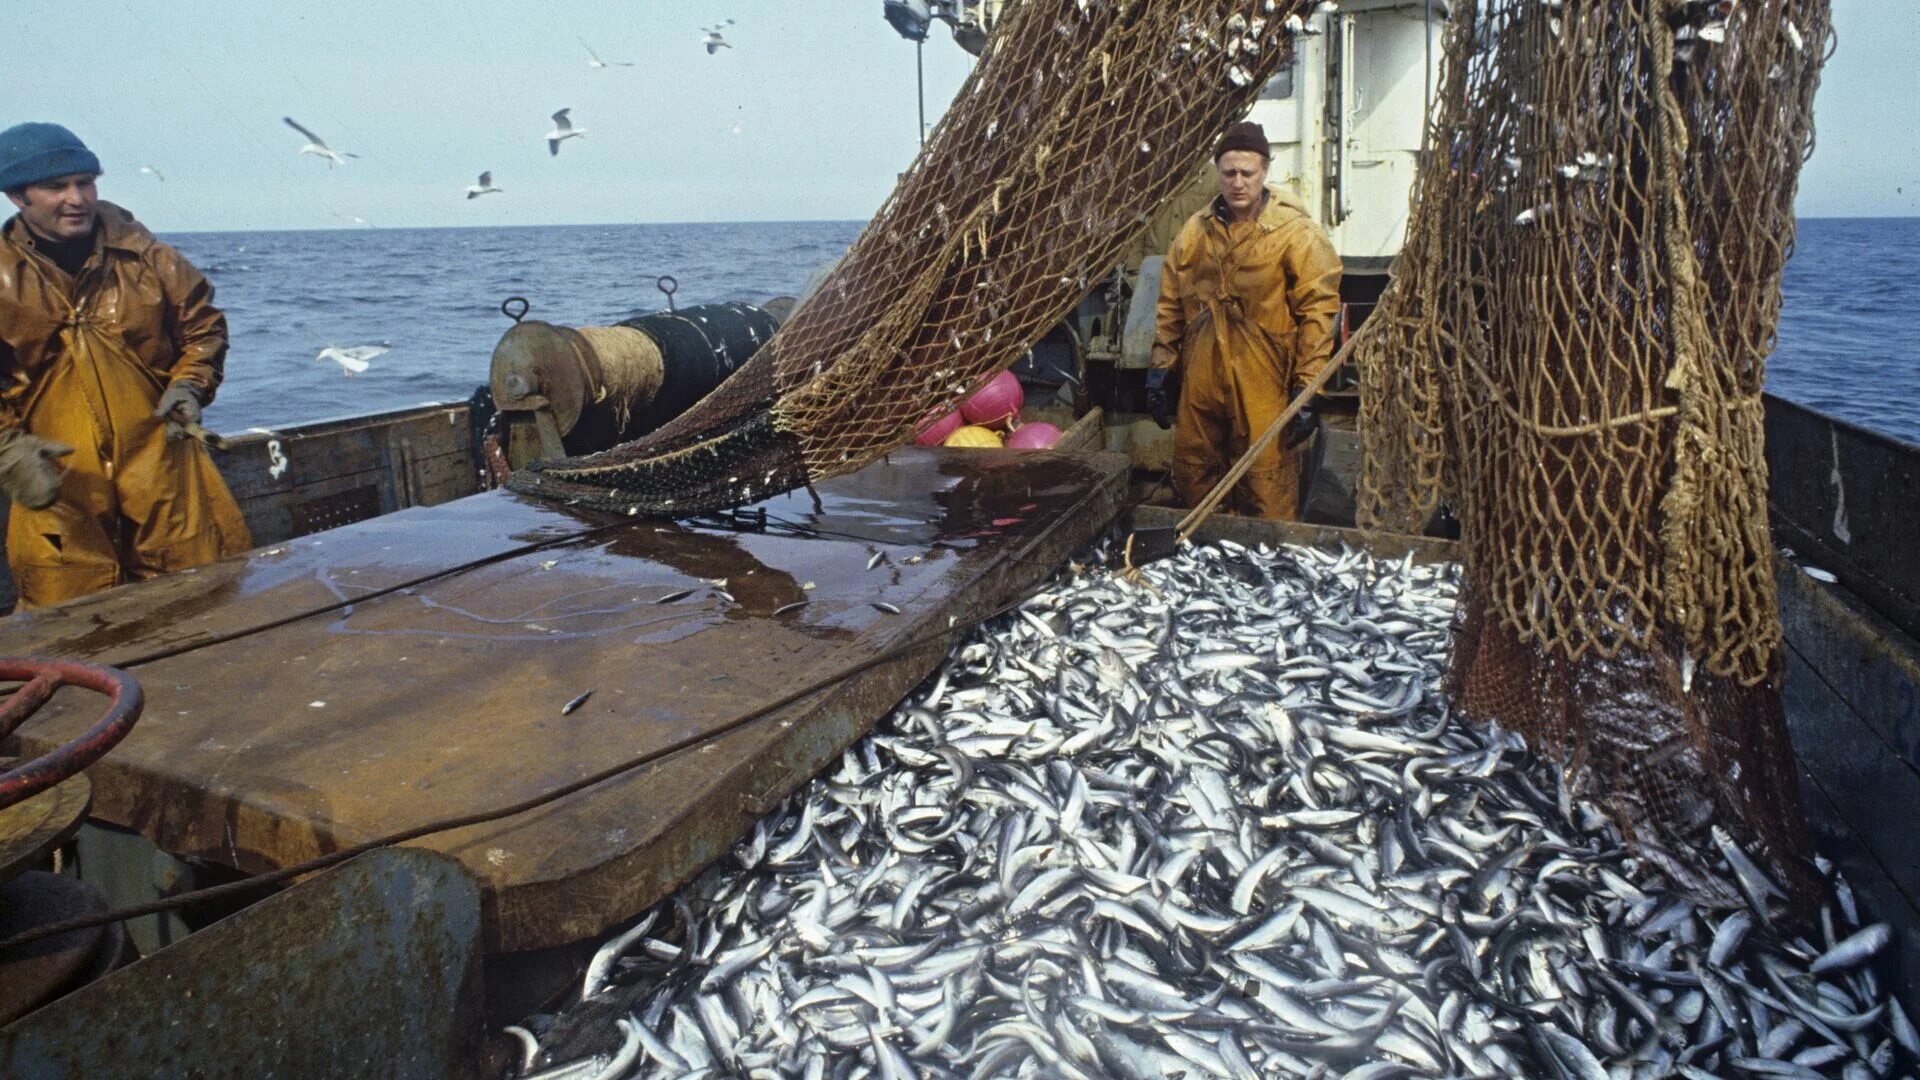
(996, 403)
(1035, 436)
(936, 431)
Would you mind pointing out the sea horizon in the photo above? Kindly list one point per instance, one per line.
(738, 222)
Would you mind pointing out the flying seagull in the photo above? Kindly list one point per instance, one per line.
(352, 361)
(484, 187)
(713, 40)
(317, 146)
(154, 172)
(594, 61)
(563, 130)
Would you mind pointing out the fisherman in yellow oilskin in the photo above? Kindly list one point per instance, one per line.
(109, 348)
(1248, 299)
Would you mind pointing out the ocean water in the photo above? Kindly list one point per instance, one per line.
(433, 297)
(1849, 334)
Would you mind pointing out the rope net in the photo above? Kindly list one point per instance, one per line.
(1570, 359)
(1080, 119)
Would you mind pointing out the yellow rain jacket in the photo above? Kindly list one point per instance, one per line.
(1248, 310)
(84, 361)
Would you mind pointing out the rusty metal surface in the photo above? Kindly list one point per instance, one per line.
(31, 829)
(370, 969)
(42, 678)
(36, 973)
(445, 697)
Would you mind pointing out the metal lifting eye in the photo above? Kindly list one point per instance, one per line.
(507, 308)
(666, 284)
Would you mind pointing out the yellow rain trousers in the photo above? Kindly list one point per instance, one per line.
(1248, 309)
(133, 504)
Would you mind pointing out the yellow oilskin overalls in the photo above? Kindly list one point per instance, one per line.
(1248, 309)
(83, 361)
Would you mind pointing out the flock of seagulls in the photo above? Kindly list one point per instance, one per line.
(713, 37)
(353, 360)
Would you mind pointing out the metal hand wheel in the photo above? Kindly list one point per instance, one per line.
(42, 678)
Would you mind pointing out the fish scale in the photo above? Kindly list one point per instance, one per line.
(1154, 841)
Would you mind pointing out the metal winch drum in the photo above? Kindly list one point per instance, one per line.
(592, 387)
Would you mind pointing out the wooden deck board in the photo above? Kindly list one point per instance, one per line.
(283, 722)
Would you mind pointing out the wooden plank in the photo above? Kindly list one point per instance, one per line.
(1084, 433)
(1844, 497)
(312, 575)
(444, 697)
(1245, 530)
(1866, 661)
(317, 452)
(1860, 773)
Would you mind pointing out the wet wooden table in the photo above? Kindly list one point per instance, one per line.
(410, 668)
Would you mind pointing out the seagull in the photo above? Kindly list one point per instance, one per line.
(563, 130)
(317, 146)
(714, 41)
(352, 361)
(484, 187)
(594, 61)
(154, 172)
(737, 128)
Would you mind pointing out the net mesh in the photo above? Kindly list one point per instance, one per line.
(1080, 119)
(1571, 358)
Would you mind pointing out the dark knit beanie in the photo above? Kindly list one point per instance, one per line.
(30, 153)
(1245, 135)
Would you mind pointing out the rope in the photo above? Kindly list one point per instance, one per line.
(1078, 123)
(631, 367)
(1600, 230)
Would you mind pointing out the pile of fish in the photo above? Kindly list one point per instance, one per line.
(1215, 821)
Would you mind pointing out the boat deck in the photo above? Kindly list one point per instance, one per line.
(413, 667)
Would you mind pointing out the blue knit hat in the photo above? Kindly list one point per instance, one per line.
(30, 153)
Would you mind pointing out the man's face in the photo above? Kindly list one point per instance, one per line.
(63, 208)
(1243, 177)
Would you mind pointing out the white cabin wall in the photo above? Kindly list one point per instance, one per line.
(1388, 69)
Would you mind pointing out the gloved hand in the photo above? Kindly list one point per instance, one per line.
(1159, 397)
(28, 470)
(179, 406)
(1304, 425)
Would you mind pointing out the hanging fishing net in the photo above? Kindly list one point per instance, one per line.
(1570, 358)
(1080, 119)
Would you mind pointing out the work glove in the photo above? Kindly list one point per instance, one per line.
(1304, 425)
(29, 472)
(179, 406)
(1160, 397)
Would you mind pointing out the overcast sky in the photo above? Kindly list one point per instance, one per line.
(431, 93)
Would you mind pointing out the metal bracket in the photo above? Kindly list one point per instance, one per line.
(550, 445)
